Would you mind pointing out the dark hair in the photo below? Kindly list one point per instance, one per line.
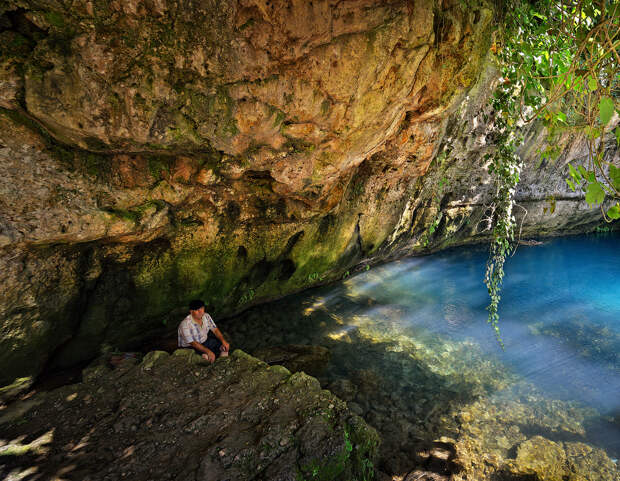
(196, 304)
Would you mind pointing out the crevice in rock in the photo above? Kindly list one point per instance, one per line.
(259, 272)
(286, 269)
(242, 253)
(358, 236)
(79, 310)
(326, 224)
(17, 21)
(291, 243)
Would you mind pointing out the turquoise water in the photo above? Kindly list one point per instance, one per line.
(410, 344)
(560, 310)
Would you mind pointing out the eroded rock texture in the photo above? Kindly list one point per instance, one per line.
(176, 417)
(158, 150)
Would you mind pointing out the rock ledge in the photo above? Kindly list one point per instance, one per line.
(175, 417)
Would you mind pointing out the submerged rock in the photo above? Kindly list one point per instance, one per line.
(177, 417)
(521, 435)
(546, 460)
(541, 457)
(312, 360)
(585, 337)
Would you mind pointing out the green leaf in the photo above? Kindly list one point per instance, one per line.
(573, 173)
(561, 116)
(614, 212)
(614, 176)
(583, 171)
(595, 193)
(592, 84)
(570, 184)
(617, 132)
(592, 132)
(606, 109)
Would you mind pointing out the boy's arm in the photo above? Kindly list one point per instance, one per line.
(220, 336)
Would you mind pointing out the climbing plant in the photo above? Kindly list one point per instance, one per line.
(559, 62)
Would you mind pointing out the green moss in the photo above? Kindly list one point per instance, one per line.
(184, 131)
(298, 146)
(325, 106)
(124, 214)
(94, 164)
(279, 117)
(19, 117)
(55, 19)
(211, 160)
(247, 24)
(17, 449)
(331, 468)
(371, 36)
(14, 46)
(159, 165)
(93, 143)
(165, 279)
(248, 154)
(217, 109)
(227, 124)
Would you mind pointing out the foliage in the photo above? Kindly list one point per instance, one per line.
(247, 296)
(562, 61)
(315, 276)
(505, 166)
(426, 238)
(560, 64)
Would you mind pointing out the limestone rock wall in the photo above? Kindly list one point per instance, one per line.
(153, 151)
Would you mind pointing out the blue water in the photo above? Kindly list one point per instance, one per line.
(559, 312)
(420, 324)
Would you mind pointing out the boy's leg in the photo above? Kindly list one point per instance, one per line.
(213, 344)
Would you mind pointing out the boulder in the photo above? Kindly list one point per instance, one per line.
(175, 417)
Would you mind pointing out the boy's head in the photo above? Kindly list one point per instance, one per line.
(196, 304)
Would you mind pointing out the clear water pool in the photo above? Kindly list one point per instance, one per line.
(412, 352)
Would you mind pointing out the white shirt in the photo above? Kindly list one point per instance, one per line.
(189, 330)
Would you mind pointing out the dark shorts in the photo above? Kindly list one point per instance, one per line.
(213, 344)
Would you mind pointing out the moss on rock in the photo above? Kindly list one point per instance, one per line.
(177, 414)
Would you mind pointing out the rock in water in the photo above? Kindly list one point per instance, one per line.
(541, 457)
(312, 360)
(177, 417)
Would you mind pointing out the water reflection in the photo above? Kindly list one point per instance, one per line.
(412, 353)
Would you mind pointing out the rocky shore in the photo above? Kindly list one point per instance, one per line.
(177, 417)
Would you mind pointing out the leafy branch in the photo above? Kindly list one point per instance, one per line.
(560, 65)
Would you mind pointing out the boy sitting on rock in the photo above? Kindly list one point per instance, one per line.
(199, 331)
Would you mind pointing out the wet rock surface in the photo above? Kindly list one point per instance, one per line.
(598, 342)
(520, 434)
(312, 360)
(176, 417)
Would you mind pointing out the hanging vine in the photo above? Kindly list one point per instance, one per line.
(505, 167)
